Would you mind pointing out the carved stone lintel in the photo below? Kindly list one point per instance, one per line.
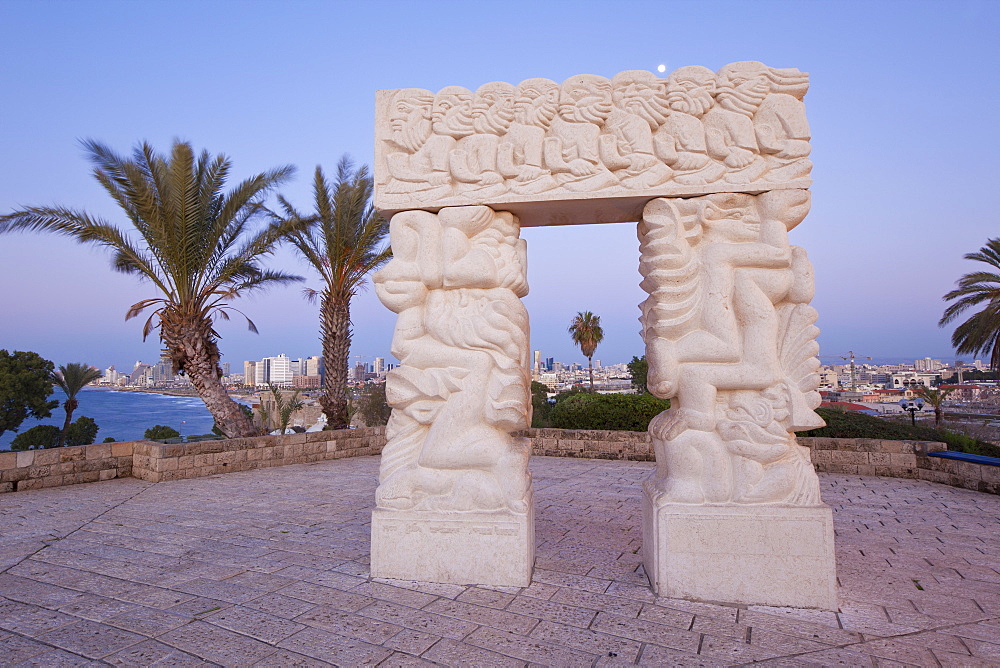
(633, 137)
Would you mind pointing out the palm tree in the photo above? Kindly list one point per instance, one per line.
(194, 243)
(981, 332)
(587, 333)
(935, 397)
(343, 244)
(72, 378)
(279, 414)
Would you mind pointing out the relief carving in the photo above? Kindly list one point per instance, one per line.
(730, 340)
(456, 279)
(741, 129)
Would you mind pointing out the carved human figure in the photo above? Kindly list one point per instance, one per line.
(572, 147)
(779, 119)
(408, 160)
(680, 140)
(729, 130)
(729, 333)
(627, 138)
(455, 280)
(519, 156)
(473, 161)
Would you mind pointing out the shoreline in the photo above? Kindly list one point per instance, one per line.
(170, 392)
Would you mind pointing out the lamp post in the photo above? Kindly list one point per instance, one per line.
(911, 407)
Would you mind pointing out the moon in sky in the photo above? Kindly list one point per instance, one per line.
(661, 68)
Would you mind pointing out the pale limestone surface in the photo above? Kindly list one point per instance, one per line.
(730, 340)
(269, 567)
(592, 149)
(454, 497)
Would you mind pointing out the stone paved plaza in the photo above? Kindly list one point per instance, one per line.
(270, 568)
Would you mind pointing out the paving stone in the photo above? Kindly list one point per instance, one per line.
(334, 649)
(349, 625)
(448, 652)
(411, 642)
(254, 623)
(216, 644)
(15, 649)
(553, 611)
(527, 649)
(646, 631)
(153, 653)
(419, 620)
(385, 592)
(147, 621)
(585, 640)
(90, 639)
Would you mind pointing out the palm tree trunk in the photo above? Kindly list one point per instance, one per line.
(590, 366)
(193, 350)
(69, 406)
(336, 328)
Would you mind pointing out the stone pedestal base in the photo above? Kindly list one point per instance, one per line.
(752, 555)
(496, 549)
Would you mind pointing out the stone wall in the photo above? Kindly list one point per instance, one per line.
(157, 462)
(586, 444)
(32, 469)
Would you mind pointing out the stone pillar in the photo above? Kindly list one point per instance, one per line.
(733, 511)
(454, 501)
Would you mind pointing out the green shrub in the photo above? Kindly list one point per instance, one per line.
(851, 424)
(160, 433)
(618, 412)
(39, 436)
(83, 431)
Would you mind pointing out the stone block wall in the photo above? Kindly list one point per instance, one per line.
(156, 462)
(33, 469)
(585, 444)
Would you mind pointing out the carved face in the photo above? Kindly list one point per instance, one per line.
(641, 93)
(743, 86)
(536, 102)
(410, 118)
(585, 98)
(689, 90)
(452, 112)
(731, 220)
(493, 109)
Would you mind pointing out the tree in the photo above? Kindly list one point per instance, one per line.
(195, 244)
(38, 437)
(72, 378)
(638, 368)
(587, 333)
(936, 398)
(161, 432)
(980, 334)
(277, 413)
(373, 406)
(82, 432)
(540, 406)
(25, 386)
(343, 244)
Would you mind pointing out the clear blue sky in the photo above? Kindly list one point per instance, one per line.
(903, 109)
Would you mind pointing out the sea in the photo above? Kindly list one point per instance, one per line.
(125, 416)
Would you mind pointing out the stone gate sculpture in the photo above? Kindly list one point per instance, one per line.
(715, 167)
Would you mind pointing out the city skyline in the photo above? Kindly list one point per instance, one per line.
(902, 146)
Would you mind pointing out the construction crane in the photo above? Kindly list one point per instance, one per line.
(849, 356)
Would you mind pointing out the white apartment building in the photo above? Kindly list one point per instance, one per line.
(276, 370)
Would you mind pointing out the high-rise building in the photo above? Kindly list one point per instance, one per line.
(250, 372)
(379, 366)
(276, 370)
(549, 363)
(538, 361)
(314, 366)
